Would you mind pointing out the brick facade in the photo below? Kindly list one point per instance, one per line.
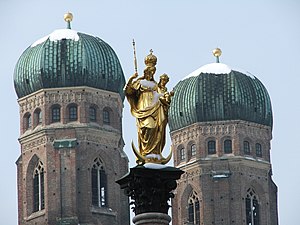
(67, 165)
(221, 181)
(68, 149)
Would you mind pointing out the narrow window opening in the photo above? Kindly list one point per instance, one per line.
(211, 147)
(191, 213)
(246, 148)
(182, 154)
(38, 188)
(55, 114)
(227, 146)
(193, 150)
(193, 209)
(29, 121)
(38, 119)
(106, 117)
(92, 114)
(73, 113)
(258, 150)
(197, 212)
(99, 184)
(252, 208)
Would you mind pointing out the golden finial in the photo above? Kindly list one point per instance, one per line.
(217, 53)
(68, 17)
(150, 59)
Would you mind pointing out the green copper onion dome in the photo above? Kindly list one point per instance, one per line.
(215, 92)
(67, 58)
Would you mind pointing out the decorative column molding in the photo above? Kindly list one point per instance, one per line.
(151, 219)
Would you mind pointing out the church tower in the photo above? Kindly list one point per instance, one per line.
(221, 127)
(69, 87)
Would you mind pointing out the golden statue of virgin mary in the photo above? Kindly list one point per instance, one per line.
(149, 102)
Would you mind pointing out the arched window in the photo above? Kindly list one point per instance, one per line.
(38, 119)
(92, 114)
(73, 113)
(258, 150)
(211, 145)
(193, 209)
(55, 114)
(246, 148)
(38, 188)
(252, 208)
(182, 154)
(27, 121)
(99, 184)
(106, 117)
(227, 146)
(193, 150)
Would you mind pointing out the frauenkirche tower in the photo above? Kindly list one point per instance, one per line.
(69, 86)
(221, 127)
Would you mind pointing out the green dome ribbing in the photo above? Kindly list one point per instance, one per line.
(77, 59)
(216, 97)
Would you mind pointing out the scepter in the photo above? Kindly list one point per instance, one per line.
(134, 54)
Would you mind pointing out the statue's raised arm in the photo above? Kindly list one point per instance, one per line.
(129, 85)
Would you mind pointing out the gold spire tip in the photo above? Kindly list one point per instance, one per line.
(217, 52)
(68, 17)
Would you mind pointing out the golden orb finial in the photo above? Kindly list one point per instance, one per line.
(217, 53)
(68, 17)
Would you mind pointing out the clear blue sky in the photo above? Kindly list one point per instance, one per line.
(262, 37)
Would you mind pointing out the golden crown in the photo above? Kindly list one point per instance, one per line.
(150, 59)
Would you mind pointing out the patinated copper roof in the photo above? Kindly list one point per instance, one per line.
(219, 96)
(77, 59)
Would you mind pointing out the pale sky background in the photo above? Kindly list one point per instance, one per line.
(262, 37)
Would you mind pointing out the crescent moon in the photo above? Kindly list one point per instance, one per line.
(140, 158)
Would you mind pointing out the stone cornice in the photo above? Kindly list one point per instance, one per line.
(47, 135)
(224, 128)
(70, 95)
(234, 162)
(100, 137)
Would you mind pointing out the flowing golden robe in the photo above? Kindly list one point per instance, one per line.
(150, 110)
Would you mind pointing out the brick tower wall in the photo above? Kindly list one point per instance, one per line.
(222, 180)
(67, 150)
